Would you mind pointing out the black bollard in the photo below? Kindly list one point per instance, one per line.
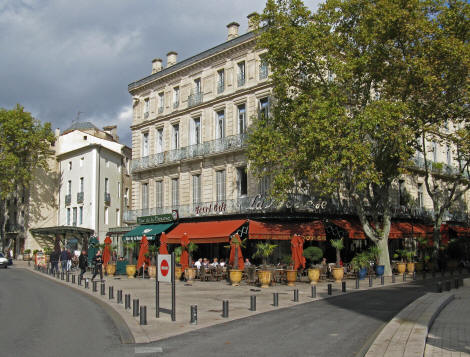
(135, 307)
(95, 286)
(456, 283)
(330, 289)
(79, 280)
(275, 299)
(67, 277)
(87, 283)
(382, 280)
(225, 308)
(343, 286)
(314, 292)
(119, 296)
(111, 292)
(296, 295)
(253, 303)
(73, 279)
(393, 278)
(103, 289)
(143, 315)
(370, 281)
(193, 315)
(62, 276)
(127, 301)
(357, 283)
(439, 287)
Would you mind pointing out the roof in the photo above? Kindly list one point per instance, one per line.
(86, 125)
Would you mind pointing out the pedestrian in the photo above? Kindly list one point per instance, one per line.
(54, 257)
(69, 259)
(63, 260)
(82, 263)
(98, 262)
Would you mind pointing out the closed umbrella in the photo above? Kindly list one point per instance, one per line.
(236, 252)
(106, 251)
(184, 259)
(163, 242)
(297, 249)
(144, 249)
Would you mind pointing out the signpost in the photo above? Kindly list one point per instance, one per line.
(165, 273)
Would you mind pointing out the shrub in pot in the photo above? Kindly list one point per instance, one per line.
(374, 254)
(264, 251)
(360, 263)
(130, 268)
(338, 271)
(313, 255)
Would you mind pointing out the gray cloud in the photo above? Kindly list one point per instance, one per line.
(60, 57)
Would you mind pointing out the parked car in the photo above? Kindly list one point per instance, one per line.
(3, 261)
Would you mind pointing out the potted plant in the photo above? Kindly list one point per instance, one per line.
(264, 251)
(401, 265)
(26, 254)
(111, 267)
(313, 255)
(360, 262)
(338, 271)
(47, 252)
(235, 274)
(291, 274)
(374, 254)
(422, 249)
(152, 267)
(178, 271)
(130, 268)
(190, 272)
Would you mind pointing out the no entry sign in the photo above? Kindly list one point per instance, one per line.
(164, 267)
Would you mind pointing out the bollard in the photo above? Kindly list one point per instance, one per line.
(370, 281)
(67, 277)
(87, 283)
(296, 295)
(127, 301)
(62, 276)
(102, 289)
(314, 292)
(95, 286)
(393, 278)
(404, 276)
(73, 279)
(143, 315)
(275, 299)
(343, 286)
(111, 292)
(79, 280)
(225, 308)
(461, 282)
(253, 303)
(330, 289)
(439, 287)
(193, 315)
(135, 307)
(119, 296)
(382, 280)
(456, 283)
(448, 285)
(414, 275)
(357, 283)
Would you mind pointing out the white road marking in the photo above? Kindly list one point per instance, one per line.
(148, 350)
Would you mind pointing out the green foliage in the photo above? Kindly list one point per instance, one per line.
(48, 251)
(406, 254)
(361, 260)
(287, 259)
(338, 245)
(27, 251)
(178, 250)
(313, 254)
(130, 247)
(264, 251)
(374, 253)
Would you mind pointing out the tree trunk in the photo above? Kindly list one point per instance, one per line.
(384, 256)
(436, 234)
(338, 257)
(3, 213)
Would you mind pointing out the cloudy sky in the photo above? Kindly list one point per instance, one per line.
(59, 57)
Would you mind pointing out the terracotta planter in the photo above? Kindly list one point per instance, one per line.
(401, 268)
(178, 272)
(419, 266)
(291, 277)
(26, 257)
(152, 271)
(410, 267)
(338, 274)
(130, 271)
(110, 269)
(313, 275)
(236, 276)
(190, 274)
(265, 277)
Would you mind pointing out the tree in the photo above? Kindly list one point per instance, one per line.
(336, 126)
(24, 147)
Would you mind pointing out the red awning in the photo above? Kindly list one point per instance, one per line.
(460, 231)
(285, 231)
(205, 232)
(353, 228)
(397, 229)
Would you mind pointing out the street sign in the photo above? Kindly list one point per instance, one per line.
(164, 268)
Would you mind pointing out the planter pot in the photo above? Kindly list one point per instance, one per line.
(26, 256)
(338, 274)
(401, 268)
(236, 276)
(130, 271)
(419, 266)
(291, 277)
(178, 272)
(110, 269)
(362, 273)
(152, 271)
(265, 277)
(313, 275)
(410, 267)
(379, 270)
(190, 274)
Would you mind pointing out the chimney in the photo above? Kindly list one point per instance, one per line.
(57, 133)
(253, 21)
(111, 130)
(156, 65)
(232, 30)
(171, 58)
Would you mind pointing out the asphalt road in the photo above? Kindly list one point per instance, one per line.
(42, 317)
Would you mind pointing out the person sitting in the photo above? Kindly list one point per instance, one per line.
(198, 263)
(215, 263)
(222, 262)
(205, 263)
(247, 262)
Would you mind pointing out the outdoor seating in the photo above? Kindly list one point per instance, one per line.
(251, 277)
(218, 273)
(204, 274)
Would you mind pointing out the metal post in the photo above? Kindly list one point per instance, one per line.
(143, 315)
(314, 292)
(119, 296)
(439, 287)
(73, 279)
(135, 307)
(330, 289)
(343, 286)
(111, 292)
(67, 277)
(86, 283)
(393, 278)
(296, 295)
(253, 303)
(127, 301)
(370, 281)
(79, 280)
(103, 289)
(193, 315)
(157, 298)
(173, 287)
(225, 308)
(62, 276)
(456, 283)
(95, 286)
(357, 283)
(275, 299)
(382, 280)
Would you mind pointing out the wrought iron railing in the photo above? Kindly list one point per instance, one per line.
(226, 144)
(195, 99)
(220, 87)
(68, 199)
(241, 80)
(80, 197)
(107, 198)
(438, 167)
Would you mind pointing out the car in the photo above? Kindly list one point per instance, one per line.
(3, 261)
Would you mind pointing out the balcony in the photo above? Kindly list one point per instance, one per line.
(263, 71)
(160, 110)
(107, 198)
(220, 87)
(80, 196)
(438, 167)
(68, 199)
(227, 144)
(195, 99)
(241, 80)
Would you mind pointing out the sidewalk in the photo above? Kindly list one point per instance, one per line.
(450, 333)
(208, 296)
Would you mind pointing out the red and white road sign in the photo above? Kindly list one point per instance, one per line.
(164, 267)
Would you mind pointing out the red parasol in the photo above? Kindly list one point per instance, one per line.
(107, 251)
(297, 248)
(235, 249)
(144, 248)
(163, 242)
(184, 259)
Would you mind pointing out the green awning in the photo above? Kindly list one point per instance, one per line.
(149, 230)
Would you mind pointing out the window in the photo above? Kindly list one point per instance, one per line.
(195, 131)
(106, 215)
(241, 73)
(82, 160)
(68, 216)
(220, 183)
(196, 189)
(159, 194)
(241, 119)
(160, 102)
(74, 220)
(69, 187)
(401, 192)
(220, 81)
(264, 185)
(434, 151)
(175, 142)
(81, 184)
(197, 85)
(106, 185)
(146, 108)
(85, 137)
(176, 97)
(220, 125)
(242, 182)
(145, 144)
(70, 165)
(126, 197)
(118, 217)
(420, 195)
(80, 215)
(263, 69)
(264, 107)
(159, 140)
(119, 190)
(175, 192)
(145, 196)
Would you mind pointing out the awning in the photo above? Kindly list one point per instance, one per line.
(397, 229)
(460, 231)
(205, 232)
(285, 231)
(352, 226)
(149, 230)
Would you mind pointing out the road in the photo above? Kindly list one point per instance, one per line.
(39, 314)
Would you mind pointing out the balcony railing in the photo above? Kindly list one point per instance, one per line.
(241, 80)
(220, 87)
(68, 199)
(438, 167)
(195, 99)
(107, 198)
(227, 144)
(80, 196)
(263, 71)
